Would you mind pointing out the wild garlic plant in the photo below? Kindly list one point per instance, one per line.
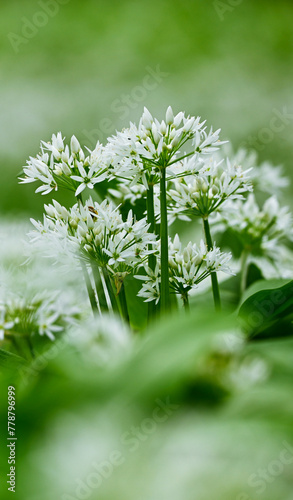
(175, 169)
(260, 226)
(107, 247)
(22, 319)
(261, 232)
(203, 194)
(188, 267)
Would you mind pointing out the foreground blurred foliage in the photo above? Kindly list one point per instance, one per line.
(103, 414)
(223, 385)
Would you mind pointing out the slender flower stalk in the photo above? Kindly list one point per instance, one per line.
(243, 271)
(30, 346)
(165, 294)
(214, 279)
(151, 257)
(123, 303)
(100, 289)
(185, 301)
(89, 288)
(109, 288)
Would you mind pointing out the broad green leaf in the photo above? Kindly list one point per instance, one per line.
(268, 312)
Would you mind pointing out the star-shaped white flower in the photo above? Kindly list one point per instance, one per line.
(88, 179)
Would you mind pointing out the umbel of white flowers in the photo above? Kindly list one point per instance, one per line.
(148, 160)
(188, 267)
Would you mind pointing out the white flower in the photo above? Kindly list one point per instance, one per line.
(58, 166)
(205, 192)
(140, 152)
(262, 232)
(187, 268)
(87, 178)
(47, 325)
(99, 232)
(169, 116)
(269, 179)
(4, 325)
(74, 145)
(265, 177)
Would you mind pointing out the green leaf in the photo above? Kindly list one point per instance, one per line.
(269, 312)
(137, 308)
(10, 360)
(261, 285)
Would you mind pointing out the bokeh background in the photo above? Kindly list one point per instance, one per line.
(87, 68)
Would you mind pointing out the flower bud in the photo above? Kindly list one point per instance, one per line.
(58, 170)
(73, 223)
(163, 128)
(176, 243)
(188, 125)
(203, 185)
(172, 263)
(186, 256)
(74, 145)
(178, 119)
(65, 156)
(147, 119)
(175, 141)
(59, 142)
(81, 232)
(155, 133)
(57, 206)
(169, 116)
(50, 211)
(65, 169)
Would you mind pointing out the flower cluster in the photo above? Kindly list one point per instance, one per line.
(41, 315)
(259, 230)
(141, 152)
(188, 267)
(202, 194)
(265, 177)
(98, 233)
(146, 166)
(59, 165)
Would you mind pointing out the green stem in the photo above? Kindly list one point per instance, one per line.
(99, 288)
(151, 257)
(89, 287)
(215, 285)
(244, 270)
(110, 289)
(15, 344)
(123, 303)
(165, 296)
(185, 301)
(30, 346)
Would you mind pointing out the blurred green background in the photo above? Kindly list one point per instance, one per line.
(87, 68)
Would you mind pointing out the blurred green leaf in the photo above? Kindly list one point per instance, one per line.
(268, 313)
